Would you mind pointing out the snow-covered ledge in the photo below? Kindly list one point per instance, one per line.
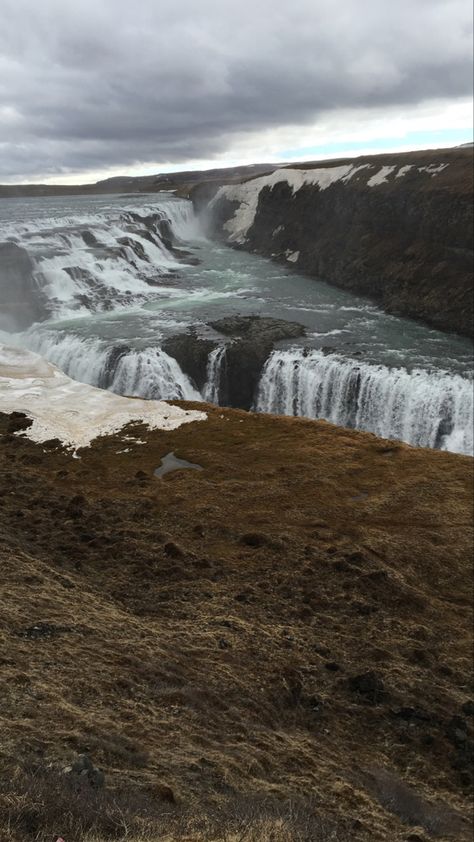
(75, 413)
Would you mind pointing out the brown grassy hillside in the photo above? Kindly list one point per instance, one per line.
(276, 647)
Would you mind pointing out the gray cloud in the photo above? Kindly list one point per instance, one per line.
(106, 82)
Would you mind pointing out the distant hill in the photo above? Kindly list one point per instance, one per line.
(138, 184)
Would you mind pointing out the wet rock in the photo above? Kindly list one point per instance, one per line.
(110, 366)
(90, 239)
(192, 354)
(251, 340)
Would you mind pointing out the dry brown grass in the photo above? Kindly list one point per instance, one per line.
(219, 670)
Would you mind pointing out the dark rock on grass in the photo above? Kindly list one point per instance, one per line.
(254, 539)
(43, 631)
(369, 687)
(173, 550)
(413, 715)
(84, 770)
(468, 708)
(52, 444)
(18, 421)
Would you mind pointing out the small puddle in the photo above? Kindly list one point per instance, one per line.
(362, 496)
(170, 462)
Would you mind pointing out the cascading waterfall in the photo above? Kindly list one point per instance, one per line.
(427, 409)
(215, 363)
(102, 261)
(148, 373)
(152, 374)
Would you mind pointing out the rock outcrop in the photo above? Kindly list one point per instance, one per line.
(396, 228)
(249, 340)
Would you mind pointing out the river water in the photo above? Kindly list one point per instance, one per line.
(114, 288)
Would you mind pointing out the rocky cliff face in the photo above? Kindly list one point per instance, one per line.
(395, 228)
(249, 340)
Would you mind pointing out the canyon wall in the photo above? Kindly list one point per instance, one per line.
(395, 228)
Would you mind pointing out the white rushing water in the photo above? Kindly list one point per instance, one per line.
(212, 388)
(114, 277)
(428, 409)
(149, 373)
(103, 260)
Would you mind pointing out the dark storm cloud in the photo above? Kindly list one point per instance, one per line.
(102, 83)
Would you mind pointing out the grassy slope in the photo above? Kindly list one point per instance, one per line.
(212, 621)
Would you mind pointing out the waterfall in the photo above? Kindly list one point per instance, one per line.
(211, 391)
(148, 373)
(152, 374)
(427, 409)
(100, 261)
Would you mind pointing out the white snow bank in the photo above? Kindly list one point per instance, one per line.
(380, 177)
(248, 193)
(70, 411)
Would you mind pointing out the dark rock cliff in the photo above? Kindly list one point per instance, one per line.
(406, 243)
(249, 340)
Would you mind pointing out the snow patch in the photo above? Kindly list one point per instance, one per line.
(403, 170)
(433, 169)
(292, 256)
(73, 412)
(248, 193)
(380, 177)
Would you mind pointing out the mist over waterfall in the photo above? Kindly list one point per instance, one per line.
(428, 409)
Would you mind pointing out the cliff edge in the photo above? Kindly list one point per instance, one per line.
(396, 228)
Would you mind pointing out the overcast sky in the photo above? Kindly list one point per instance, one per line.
(96, 87)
